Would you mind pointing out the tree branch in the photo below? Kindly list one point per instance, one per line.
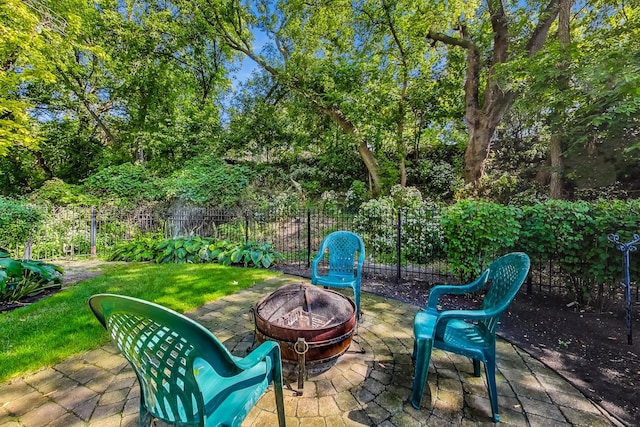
(539, 35)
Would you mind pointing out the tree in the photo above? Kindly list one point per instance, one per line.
(24, 53)
(511, 39)
(557, 144)
(299, 58)
(581, 98)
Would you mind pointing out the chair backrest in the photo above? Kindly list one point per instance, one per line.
(163, 346)
(506, 276)
(343, 246)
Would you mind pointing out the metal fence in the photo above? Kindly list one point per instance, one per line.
(400, 245)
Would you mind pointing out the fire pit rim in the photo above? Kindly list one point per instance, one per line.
(332, 326)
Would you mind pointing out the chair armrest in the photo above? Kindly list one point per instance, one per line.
(361, 257)
(464, 315)
(268, 349)
(437, 291)
(314, 264)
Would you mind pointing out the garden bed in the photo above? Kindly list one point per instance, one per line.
(586, 347)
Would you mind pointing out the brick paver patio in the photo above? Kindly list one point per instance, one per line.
(98, 388)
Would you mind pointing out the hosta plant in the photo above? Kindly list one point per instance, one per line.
(250, 254)
(195, 249)
(24, 278)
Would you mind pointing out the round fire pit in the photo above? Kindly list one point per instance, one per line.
(313, 326)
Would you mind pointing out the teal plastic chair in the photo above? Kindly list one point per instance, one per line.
(470, 333)
(186, 375)
(342, 247)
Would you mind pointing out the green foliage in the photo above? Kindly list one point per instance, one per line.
(207, 180)
(19, 279)
(330, 202)
(250, 254)
(355, 196)
(438, 178)
(24, 55)
(475, 232)
(18, 221)
(576, 234)
(190, 249)
(140, 248)
(195, 249)
(59, 193)
(127, 181)
(377, 222)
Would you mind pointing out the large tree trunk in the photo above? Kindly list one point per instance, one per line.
(476, 153)
(366, 154)
(483, 114)
(556, 177)
(557, 143)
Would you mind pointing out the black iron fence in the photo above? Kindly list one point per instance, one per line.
(401, 245)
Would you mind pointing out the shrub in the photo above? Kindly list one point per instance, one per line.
(208, 180)
(575, 234)
(475, 232)
(57, 192)
(125, 182)
(377, 224)
(18, 222)
(140, 248)
(355, 196)
(19, 279)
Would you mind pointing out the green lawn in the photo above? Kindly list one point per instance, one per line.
(62, 325)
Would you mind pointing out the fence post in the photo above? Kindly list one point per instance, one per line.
(398, 246)
(308, 238)
(626, 248)
(246, 226)
(93, 231)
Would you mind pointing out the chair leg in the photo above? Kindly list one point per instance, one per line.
(277, 385)
(422, 353)
(356, 299)
(145, 417)
(476, 367)
(490, 370)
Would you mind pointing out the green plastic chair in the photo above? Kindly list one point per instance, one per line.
(470, 333)
(186, 375)
(342, 247)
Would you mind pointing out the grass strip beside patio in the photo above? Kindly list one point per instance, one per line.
(62, 325)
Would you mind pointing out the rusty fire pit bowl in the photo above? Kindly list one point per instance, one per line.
(323, 318)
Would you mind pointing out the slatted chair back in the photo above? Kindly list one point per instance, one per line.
(175, 359)
(342, 247)
(506, 276)
(344, 269)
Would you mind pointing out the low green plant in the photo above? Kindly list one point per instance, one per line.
(23, 278)
(250, 254)
(196, 249)
(140, 248)
(191, 249)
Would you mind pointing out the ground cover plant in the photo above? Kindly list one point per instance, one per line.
(23, 278)
(62, 325)
(196, 249)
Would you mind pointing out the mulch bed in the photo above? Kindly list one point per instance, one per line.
(586, 347)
